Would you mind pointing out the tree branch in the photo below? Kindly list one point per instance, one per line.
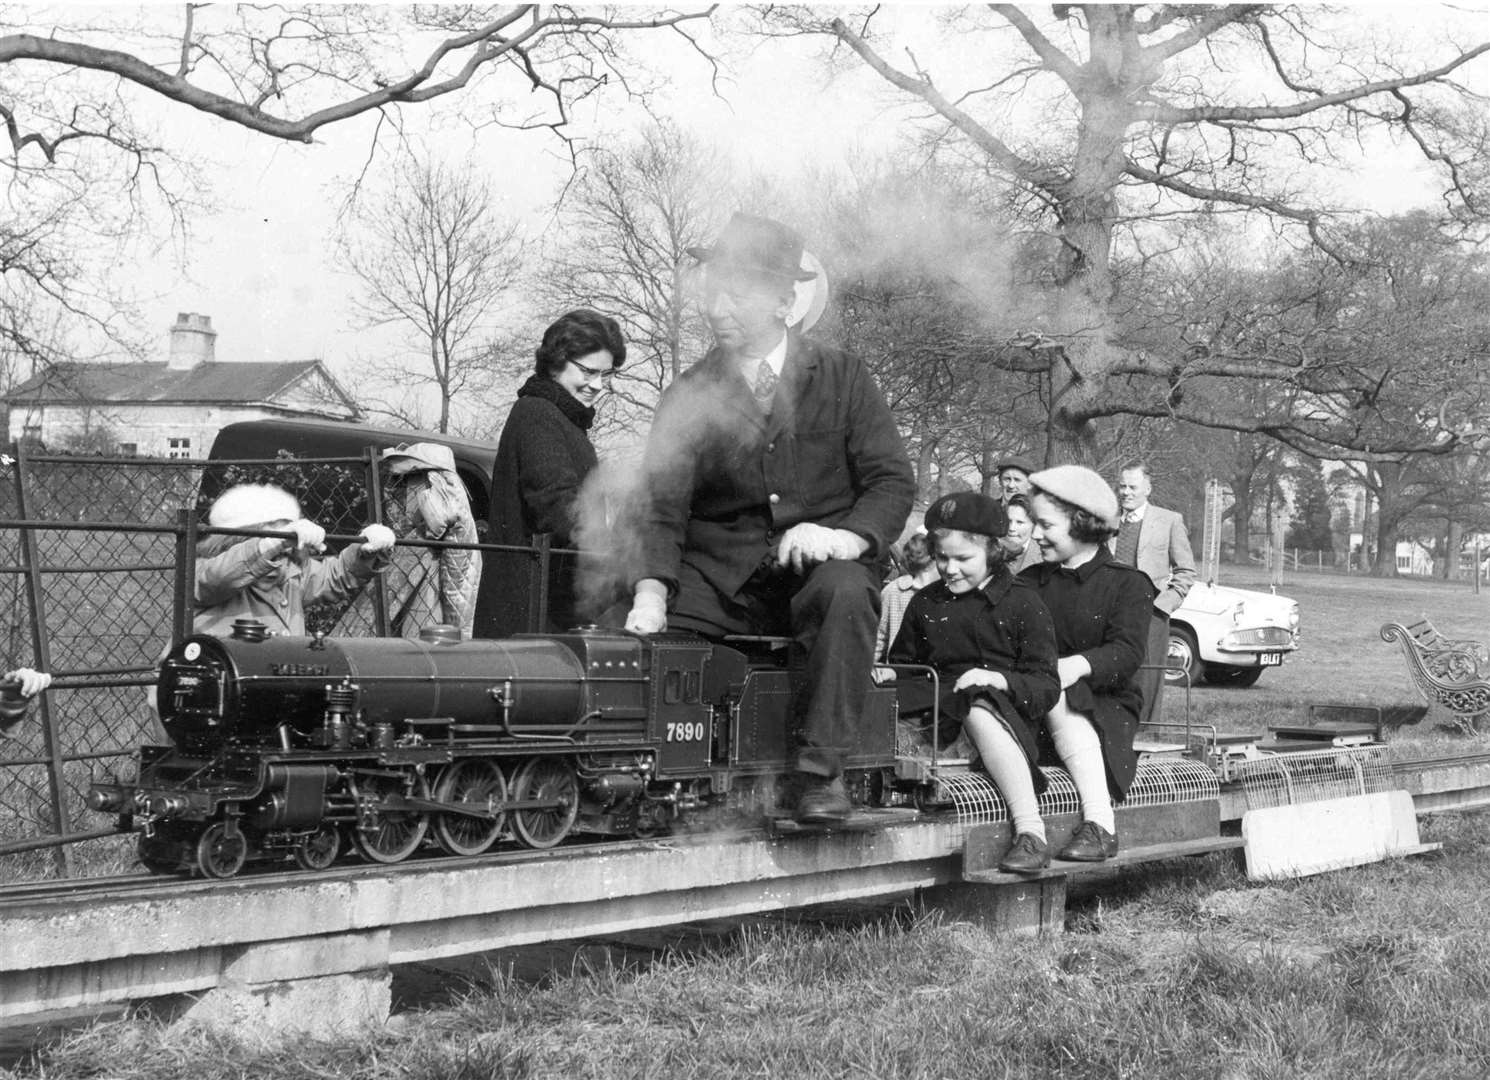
(487, 44)
(1038, 176)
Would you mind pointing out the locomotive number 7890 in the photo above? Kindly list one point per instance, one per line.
(691, 731)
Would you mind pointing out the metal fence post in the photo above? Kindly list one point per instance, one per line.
(40, 647)
(375, 502)
(538, 583)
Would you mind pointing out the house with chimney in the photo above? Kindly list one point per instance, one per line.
(170, 408)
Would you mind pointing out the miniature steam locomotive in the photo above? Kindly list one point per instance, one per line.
(293, 745)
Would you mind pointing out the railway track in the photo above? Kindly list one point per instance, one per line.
(42, 893)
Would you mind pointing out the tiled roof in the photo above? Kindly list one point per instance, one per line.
(158, 384)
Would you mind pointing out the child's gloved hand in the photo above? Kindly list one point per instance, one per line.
(32, 681)
(376, 538)
(310, 539)
(976, 677)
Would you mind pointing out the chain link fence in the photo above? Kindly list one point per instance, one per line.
(95, 559)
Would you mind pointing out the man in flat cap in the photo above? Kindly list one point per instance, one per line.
(1154, 540)
(1014, 479)
(777, 477)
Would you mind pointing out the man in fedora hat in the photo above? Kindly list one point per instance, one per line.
(776, 479)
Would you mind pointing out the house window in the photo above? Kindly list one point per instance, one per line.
(129, 449)
(178, 448)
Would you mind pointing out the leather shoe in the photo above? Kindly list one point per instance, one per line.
(823, 801)
(1089, 843)
(1027, 855)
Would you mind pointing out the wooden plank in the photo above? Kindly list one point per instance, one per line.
(1177, 849)
(1138, 827)
(1312, 838)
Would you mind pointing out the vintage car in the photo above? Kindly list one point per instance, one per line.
(1227, 636)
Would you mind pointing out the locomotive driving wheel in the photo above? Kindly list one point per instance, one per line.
(549, 779)
(220, 855)
(387, 830)
(477, 784)
(319, 850)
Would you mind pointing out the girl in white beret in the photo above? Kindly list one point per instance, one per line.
(1101, 613)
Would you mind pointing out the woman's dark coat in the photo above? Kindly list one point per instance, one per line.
(1003, 627)
(1101, 611)
(543, 457)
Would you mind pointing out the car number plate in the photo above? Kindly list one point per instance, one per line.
(1270, 659)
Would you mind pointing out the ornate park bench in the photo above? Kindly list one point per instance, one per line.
(1454, 673)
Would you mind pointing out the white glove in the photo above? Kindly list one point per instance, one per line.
(882, 675)
(648, 608)
(977, 676)
(376, 538)
(310, 539)
(807, 544)
(1072, 669)
(32, 682)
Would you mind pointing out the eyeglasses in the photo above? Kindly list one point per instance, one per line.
(592, 373)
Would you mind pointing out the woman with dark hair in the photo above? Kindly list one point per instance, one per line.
(543, 457)
(1101, 612)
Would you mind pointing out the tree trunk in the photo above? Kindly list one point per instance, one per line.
(1385, 565)
(1083, 320)
(1241, 521)
(925, 457)
(1451, 543)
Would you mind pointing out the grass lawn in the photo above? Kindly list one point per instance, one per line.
(1185, 970)
(1341, 656)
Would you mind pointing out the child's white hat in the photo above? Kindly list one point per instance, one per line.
(253, 504)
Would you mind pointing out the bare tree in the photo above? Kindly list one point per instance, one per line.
(627, 223)
(434, 259)
(87, 178)
(287, 71)
(1141, 119)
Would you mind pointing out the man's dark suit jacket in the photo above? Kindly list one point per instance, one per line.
(726, 480)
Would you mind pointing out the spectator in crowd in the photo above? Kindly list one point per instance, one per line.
(777, 478)
(273, 579)
(994, 648)
(1154, 540)
(1014, 478)
(921, 571)
(1101, 612)
(1020, 549)
(17, 689)
(426, 498)
(543, 458)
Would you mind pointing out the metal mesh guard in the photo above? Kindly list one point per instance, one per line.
(1314, 775)
(1158, 781)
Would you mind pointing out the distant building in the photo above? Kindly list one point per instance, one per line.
(1414, 558)
(172, 408)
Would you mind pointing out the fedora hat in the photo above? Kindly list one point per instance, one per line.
(758, 245)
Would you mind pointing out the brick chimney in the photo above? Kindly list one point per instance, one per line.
(193, 342)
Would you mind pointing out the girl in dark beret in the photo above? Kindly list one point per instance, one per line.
(1101, 611)
(992, 643)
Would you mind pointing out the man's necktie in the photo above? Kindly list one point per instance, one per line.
(765, 385)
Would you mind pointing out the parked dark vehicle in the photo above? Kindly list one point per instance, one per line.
(513, 573)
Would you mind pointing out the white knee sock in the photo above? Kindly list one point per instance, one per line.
(1080, 749)
(1010, 770)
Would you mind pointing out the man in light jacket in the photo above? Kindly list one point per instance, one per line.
(1154, 540)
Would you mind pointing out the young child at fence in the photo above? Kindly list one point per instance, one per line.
(273, 579)
(17, 688)
(993, 646)
(425, 498)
